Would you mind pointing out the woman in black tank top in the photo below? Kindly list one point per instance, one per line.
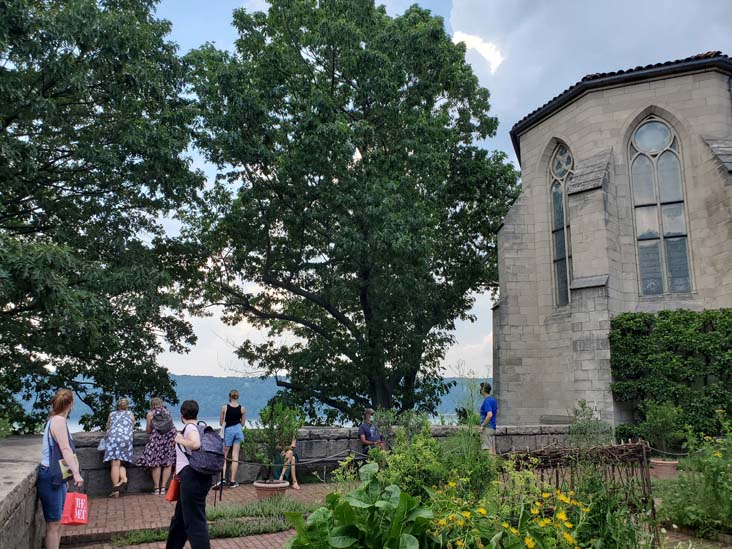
(233, 418)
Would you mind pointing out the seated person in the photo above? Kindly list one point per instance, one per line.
(288, 465)
(368, 434)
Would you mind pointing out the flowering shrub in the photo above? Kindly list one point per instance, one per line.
(701, 496)
(549, 520)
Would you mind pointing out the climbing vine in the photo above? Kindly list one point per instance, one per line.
(680, 357)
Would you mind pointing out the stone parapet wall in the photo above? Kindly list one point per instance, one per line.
(321, 446)
(21, 519)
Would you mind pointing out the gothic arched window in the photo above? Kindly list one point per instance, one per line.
(560, 169)
(658, 203)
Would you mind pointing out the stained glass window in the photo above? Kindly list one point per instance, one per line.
(560, 168)
(660, 217)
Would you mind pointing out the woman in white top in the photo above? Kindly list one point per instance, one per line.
(189, 521)
(58, 446)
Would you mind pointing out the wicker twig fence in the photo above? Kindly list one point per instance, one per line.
(624, 468)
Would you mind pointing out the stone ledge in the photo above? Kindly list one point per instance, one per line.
(722, 150)
(592, 173)
(21, 520)
(596, 281)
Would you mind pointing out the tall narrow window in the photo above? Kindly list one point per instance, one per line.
(658, 201)
(560, 170)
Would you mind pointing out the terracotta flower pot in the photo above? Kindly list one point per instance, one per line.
(268, 488)
(664, 469)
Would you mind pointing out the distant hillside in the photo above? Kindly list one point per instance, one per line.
(212, 392)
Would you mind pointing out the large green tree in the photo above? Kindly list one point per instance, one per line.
(92, 132)
(354, 209)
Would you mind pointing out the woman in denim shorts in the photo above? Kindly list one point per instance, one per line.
(233, 418)
(57, 446)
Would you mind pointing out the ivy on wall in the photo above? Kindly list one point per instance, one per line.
(680, 357)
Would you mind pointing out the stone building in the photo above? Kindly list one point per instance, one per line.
(626, 205)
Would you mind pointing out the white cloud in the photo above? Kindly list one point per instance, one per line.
(487, 50)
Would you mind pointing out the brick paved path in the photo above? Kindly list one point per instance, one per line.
(108, 516)
(264, 541)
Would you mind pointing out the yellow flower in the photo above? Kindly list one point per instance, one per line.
(534, 511)
(568, 524)
(460, 523)
(482, 511)
(717, 454)
(585, 509)
(452, 484)
(459, 543)
(530, 543)
(513, 531)
(561, 515)
(568, 538)
(466, 514)
(571, 492)
(545, 495)
(563, 498)
(504, 524)
(442, 522)
(538, 504)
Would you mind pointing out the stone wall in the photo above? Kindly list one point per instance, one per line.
(323, 446)
(21, 519)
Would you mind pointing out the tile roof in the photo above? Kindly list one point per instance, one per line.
(700, 61)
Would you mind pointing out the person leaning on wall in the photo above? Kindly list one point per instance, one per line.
(58, 446)
(120, 425)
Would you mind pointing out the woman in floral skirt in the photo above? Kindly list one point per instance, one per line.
(159, 453)
(119, 444)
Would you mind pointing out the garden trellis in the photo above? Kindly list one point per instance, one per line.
(624, 468)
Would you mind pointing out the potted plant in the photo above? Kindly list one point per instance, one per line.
(275, 430)
(663, 428)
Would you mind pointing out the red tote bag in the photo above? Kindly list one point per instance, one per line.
(76, 509)
(173, 490)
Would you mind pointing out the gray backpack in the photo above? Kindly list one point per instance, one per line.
(209, 458)
(162, 421)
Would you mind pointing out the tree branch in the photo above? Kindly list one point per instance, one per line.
(244, 302)
(318, 300)
(333, 403)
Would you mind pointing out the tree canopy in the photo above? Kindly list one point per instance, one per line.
(354, 213)
(93, 127)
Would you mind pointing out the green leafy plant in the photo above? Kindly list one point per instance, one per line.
(663, 427)
(5, 427)
(274, 431)
(701, 496)
(588, 430)
(373, 515)
(677, 356)
(413, 464)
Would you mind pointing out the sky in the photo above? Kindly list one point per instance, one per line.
(525, 52)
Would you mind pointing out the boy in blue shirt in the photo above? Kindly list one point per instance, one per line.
(488, 413)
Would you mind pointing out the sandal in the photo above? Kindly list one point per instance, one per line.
(115, 491)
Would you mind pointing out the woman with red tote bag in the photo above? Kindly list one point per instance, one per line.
(58, 466)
